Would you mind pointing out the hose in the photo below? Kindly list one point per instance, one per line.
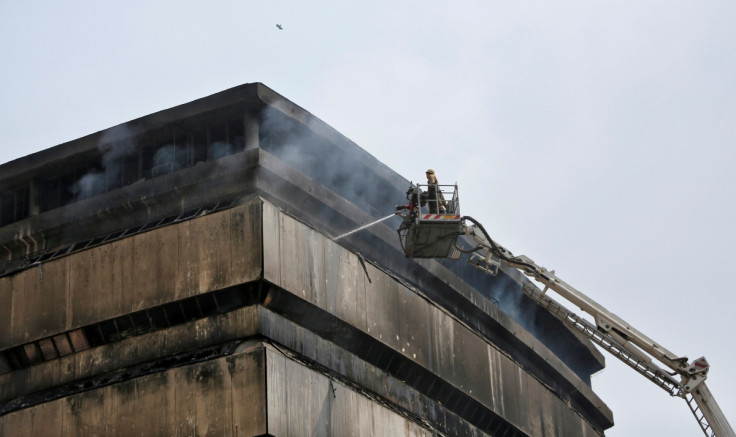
(495, 248)
(461, 250)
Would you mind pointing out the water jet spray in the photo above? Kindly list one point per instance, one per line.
(365, 226)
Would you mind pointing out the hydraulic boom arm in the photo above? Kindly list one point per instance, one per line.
(610, 331)
(427, 234)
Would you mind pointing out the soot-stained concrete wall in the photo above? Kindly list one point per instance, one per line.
(130, 274)
(373, 302)
(331, 296)
(179, 270)
(219, 397)
(256, 391)
(317, 175)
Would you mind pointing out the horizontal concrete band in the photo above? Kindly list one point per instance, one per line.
(308, 316)
(218, 336)
(258, 389)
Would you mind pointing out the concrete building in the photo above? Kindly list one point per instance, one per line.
(178, 275)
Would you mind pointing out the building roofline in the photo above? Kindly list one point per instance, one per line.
(250, 96)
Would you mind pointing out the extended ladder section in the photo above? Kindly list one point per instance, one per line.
(645, 367)
(633, 348)
(431, 235)
(648, 369)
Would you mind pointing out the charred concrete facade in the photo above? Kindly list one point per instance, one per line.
(178, 275)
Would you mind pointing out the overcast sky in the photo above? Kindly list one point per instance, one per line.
(596, 137)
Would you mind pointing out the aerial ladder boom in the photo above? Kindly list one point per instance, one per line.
(439, 236)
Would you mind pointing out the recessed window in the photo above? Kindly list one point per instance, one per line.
(122, 163)
(14, 206)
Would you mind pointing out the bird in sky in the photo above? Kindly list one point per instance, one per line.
(279, 26)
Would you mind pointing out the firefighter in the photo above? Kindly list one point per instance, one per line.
(434, 194)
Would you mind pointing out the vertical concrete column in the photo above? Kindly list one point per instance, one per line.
(250, 124)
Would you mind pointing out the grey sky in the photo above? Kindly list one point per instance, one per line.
(596, 137)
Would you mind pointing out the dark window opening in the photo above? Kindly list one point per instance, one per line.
(218, 146)
(48, 194)
(114, 174)
(14, 356)
(174, 313)
(7, 209)
(236, 135)
(158, 318)
(141, 321)
(163, 158)
(191, 309)
(199, 146)
(90, 183)
(120, 164)
(123, 163)
(55, 192)
(207, 305)
(109, 331)
(93, 335)
(226, 139)
(124, 324)
(227, 300)
(182, 152)
(14, 206)
(130, 169)
(147, 153)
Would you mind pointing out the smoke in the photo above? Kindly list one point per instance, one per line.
(123, 160)
(220, 149)
(164, 160)
(114, 145)
(89, 185)
(360, 182)
(323, 161)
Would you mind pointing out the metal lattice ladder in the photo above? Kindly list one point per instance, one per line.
(650, 371)
(699, 416)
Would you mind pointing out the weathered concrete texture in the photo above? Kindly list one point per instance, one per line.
(302, 402)
(163, 265)
(256, 391)
(23, 385)
(221, 397)
(161, 350)
(319, 271)
(380, 384)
